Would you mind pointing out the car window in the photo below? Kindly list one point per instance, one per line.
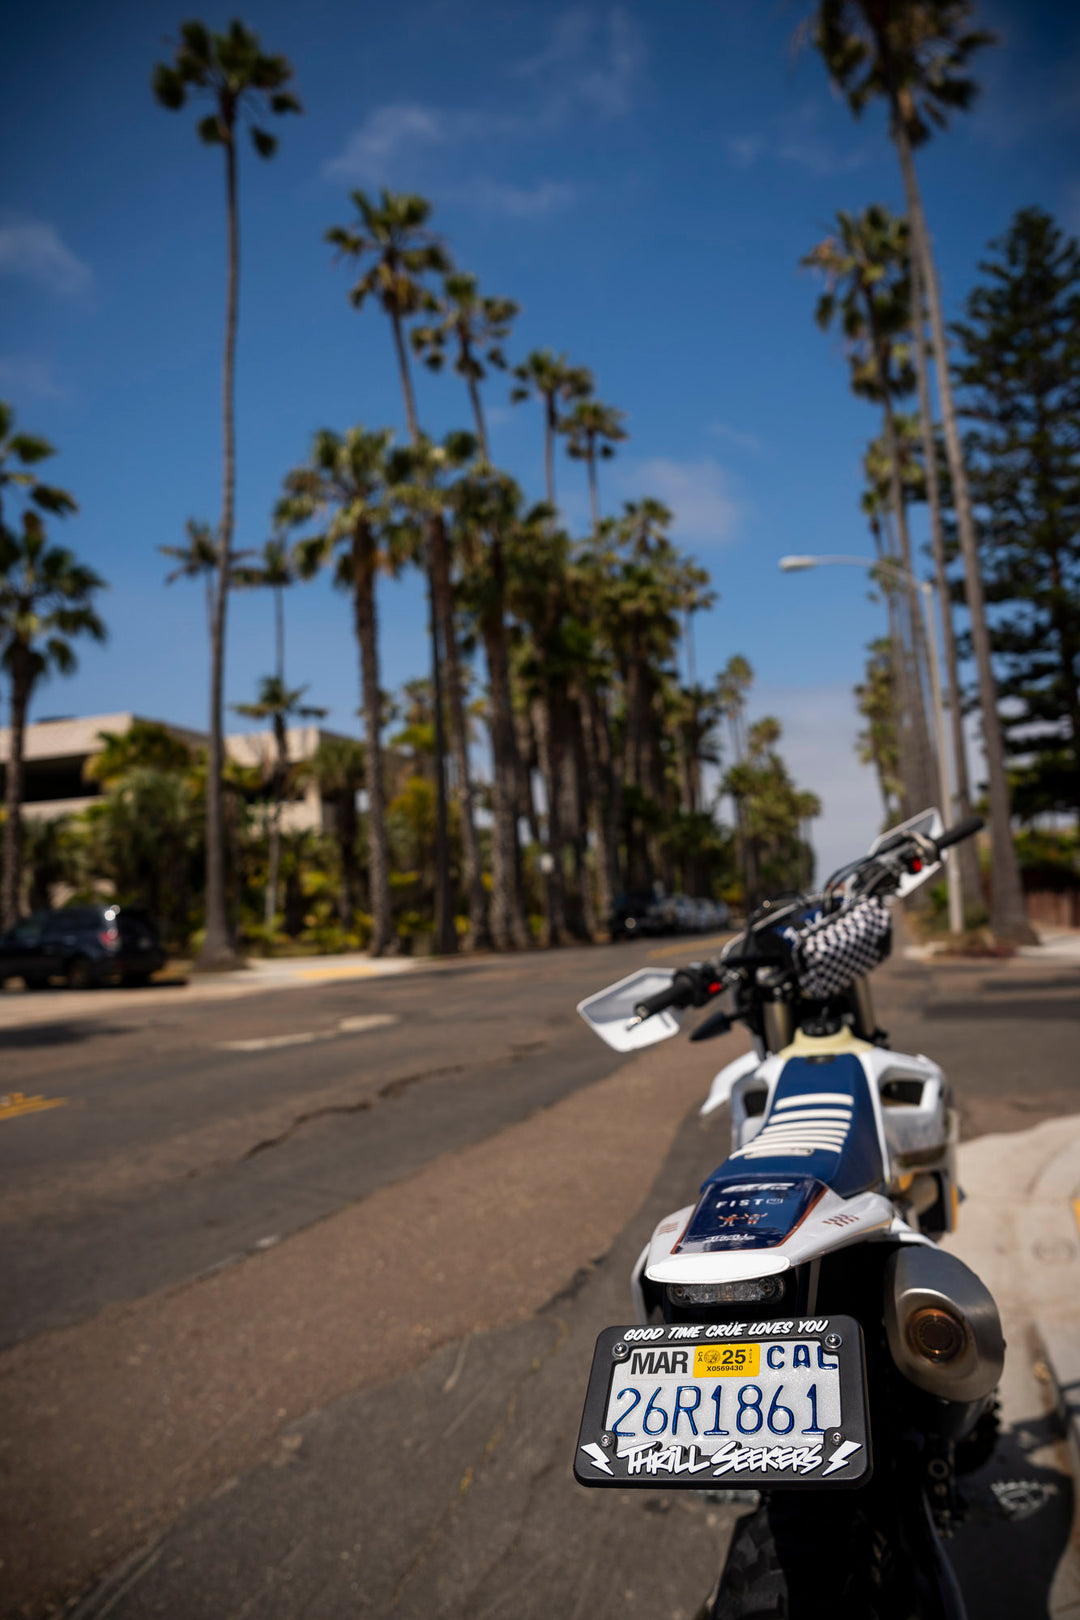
(29, 931)
(74, 918)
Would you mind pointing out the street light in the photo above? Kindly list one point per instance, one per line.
(797, 564)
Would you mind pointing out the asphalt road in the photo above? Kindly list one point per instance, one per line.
(311, 1276)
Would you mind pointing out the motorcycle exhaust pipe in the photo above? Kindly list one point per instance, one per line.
(943, 1326)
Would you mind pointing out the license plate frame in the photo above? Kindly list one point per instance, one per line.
(839, 1456)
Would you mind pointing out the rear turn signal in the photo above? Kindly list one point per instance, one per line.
(936, 1335)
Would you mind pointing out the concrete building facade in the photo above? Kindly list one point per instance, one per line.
(56, 753)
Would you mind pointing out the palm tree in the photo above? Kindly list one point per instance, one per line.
(548, 377)
(18, 453)
(279, 704)
(592, 431)
(964, 854)
(487, 511)
(46, 599)
(339, 766)
(475, 328)
(914, 54)
(238, 79)
(344, 485)
(199, 560)
(393, 234)
(865, 264)
(421, 473)
(276, 570)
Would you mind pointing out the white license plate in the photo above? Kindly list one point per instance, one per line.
(768, 1403)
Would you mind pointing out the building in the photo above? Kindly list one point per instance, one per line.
(56, 752)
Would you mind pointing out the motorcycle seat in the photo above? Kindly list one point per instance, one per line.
(820, 1122)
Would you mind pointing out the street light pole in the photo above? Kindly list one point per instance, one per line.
(796, 564)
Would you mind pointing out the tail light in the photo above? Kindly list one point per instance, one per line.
(109, 937)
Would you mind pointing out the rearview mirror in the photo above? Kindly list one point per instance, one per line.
(609, 1011)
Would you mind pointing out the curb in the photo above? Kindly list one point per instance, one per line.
(1050, 1233)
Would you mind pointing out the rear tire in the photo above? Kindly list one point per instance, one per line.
(813, 1558)
(35, 982)
(135, 981)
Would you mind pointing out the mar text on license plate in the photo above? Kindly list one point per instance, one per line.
(784, 1403)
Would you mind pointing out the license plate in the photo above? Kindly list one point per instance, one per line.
(767, 1403)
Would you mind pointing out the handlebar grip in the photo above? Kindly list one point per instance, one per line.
(962, 830)
(692, 986)
(676, 995)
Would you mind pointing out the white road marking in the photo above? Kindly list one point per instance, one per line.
(346, 1026)
(264, 1043)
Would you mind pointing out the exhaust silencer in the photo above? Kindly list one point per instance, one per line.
(942, 1323)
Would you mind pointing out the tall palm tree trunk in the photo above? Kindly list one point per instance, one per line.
(455, 700)
(281, 768)
(594, 488)
(1008, 916)
(965, 853)
(13, 783)
(913, 788)
(217, 949)
(925, 773)
(367, 635)
(551, 422)
(549, 747)
(598, 807)
(509, 927)
(508, 923)
(279, 631)
(445, 934)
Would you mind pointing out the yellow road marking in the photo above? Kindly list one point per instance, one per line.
(1076, 1211)
(347, 972)
(13, 1102)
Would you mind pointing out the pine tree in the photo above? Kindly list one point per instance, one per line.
(1019, 367)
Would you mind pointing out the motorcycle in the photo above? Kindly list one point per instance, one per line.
(797, 1329)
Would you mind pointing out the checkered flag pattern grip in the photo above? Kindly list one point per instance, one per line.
(835, 952)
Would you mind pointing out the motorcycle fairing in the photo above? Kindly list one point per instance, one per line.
(820, 1121)
(830, 1222)
(748, 1214)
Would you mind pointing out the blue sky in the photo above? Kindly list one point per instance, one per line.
(642, 179)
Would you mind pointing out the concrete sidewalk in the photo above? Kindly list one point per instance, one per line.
(1019, 1231)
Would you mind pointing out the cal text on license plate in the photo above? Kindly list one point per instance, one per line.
(672, 1404)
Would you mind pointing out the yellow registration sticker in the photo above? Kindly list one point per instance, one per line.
(727, 1360)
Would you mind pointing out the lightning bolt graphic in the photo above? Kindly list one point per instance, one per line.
(597, 1458)
(840, 1456)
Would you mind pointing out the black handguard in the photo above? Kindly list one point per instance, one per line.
(691, 987)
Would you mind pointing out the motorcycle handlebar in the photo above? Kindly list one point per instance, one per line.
(962, 830)
(691, 987)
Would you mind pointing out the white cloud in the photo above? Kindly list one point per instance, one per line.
(34, 248)
(796, 139)
(744, 149)
(742, 441)
(699, 493)
(818, 746)
(590, 62)
(507, 201)
(30, 379)
(397, 130)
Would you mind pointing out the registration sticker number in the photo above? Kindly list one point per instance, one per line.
(672, 1404)
(727, 1360)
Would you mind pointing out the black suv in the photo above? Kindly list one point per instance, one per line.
(83, 945)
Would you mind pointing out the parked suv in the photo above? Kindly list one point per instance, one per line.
(83, 945)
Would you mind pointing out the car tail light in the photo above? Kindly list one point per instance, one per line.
(109, 937)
